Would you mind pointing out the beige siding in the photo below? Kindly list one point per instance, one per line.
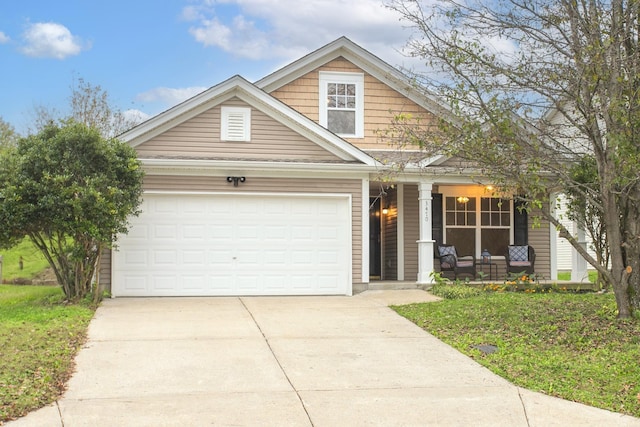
(104, 271)
(381, 103)
(411, 232)
(539, 238)
(199, 137)
(280, 185)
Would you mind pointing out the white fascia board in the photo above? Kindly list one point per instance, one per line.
(182, 112)
(242, 89)
(195, 167)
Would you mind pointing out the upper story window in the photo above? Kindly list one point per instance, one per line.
(235, 124)
(342, 103)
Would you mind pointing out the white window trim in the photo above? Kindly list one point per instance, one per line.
(326, 77)
(241, 131)
(478, 227)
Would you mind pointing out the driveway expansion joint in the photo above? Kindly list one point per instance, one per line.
(278, 362)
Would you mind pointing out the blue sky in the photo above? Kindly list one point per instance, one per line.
(149, 54)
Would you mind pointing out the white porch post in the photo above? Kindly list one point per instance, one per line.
(426, 242)
(578, 263)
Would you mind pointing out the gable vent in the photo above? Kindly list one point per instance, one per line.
(236, 124)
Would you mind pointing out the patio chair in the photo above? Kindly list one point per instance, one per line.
(450, 261)
(520, 259)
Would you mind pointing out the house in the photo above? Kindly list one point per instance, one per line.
(284, 187)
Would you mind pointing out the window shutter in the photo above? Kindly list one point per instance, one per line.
(520, 224)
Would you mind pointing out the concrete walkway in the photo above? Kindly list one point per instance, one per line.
(288, 361)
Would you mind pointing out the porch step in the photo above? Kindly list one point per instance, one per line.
(394, 285)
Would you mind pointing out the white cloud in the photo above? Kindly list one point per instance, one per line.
(135, 116)
(288, 29)
(169, 96)
(50, 40)
(4, 38)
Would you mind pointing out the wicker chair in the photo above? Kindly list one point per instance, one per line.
(520, 259)
(450, 261)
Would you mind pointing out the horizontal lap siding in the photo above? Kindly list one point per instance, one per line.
(271, 185)
(199, 137)
(381, 102)
(540, 239)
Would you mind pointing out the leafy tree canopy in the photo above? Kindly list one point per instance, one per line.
(537, 91)
(8, 135)
(71, 191)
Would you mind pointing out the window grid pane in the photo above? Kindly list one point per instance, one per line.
(341, 96)
(495, 212)
(460, 213)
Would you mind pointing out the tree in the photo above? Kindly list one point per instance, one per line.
(90, 105)
(8, 135)
(70, 191)
(536, 87)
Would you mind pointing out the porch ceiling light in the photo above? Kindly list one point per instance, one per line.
(462, 199)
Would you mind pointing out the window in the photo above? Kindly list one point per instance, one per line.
(495, 221)
(470, 236)
(235, 124)
(342, 103)
(460, 223)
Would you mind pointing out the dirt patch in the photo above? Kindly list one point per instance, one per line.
(46, 277)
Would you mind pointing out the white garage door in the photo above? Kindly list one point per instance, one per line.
(203, 244)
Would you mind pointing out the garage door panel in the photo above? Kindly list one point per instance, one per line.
(236, 245)
(194, 232)
(276, 258)
(163, 207)
(193, 282)
(135, 282)
(164, 283)
(165, 231)
(220, 234)
(194, 257)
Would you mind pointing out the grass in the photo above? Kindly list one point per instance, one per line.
(563, 344)
(32, 261)
(566, 275)
(39, 337)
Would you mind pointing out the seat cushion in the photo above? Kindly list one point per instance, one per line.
(520, 264)
(465, 263)
(518, 253)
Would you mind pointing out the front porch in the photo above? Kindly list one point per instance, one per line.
(408, 220)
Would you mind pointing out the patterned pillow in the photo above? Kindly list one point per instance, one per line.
(519, 253)
(448, 256)
(447, 250)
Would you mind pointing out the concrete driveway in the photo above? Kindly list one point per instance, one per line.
(287, 361)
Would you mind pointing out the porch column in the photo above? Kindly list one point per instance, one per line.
(578, 263)
(426, 242)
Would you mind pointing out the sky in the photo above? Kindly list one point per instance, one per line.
(150, 55)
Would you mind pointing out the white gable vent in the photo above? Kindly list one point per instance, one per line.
(236, 124)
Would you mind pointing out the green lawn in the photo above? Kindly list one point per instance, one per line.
(39, 337)
(562, 344)
(566, 275)
(32, 261)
